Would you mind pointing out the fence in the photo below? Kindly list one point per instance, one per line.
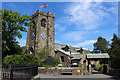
(18, 72)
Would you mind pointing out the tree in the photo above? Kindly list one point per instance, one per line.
(114, 52)
(115, 46)
(12, 25)
(101, 45)
(23, 49)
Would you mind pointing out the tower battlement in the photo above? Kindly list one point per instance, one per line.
(49, 14)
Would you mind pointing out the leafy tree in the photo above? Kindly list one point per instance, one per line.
(12, 24)
(23, 49)
(114, 52)
(115, 46)
(101, 45)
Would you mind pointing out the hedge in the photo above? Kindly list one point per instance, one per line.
(24, 59)
(28, 59)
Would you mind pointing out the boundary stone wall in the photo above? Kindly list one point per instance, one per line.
(61, 70)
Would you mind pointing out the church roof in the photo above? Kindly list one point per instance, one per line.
(72, 51)
(71, 48)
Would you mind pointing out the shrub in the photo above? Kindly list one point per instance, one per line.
(28, 59)
(43, 53)
(11, 59)
(80, 65)
(99, 68)
(41, 62)
(56, 61)
(85, 67)
(24, 59)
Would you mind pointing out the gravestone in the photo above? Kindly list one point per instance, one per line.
(49, 60)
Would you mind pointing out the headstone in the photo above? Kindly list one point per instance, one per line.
(49, 60)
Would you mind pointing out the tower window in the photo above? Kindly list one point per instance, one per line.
(43, 22)
(33, 24)
(32, 37)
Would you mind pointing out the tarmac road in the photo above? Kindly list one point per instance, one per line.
(95, 76)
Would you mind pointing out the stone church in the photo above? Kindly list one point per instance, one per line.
(41, 35)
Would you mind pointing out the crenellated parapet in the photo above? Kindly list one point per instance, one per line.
(49, 14)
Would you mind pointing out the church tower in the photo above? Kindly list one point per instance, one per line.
(41, 35)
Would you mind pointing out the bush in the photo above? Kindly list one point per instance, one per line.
(24, 59)
(99, 68)
(12, 59)
(80, 65)
(43, 53)
(56, 61)
(41, 61)
(29, 59)
(85, 67)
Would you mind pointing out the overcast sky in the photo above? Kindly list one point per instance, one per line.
(76, 24)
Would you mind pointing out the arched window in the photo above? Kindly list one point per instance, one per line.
(43, 23)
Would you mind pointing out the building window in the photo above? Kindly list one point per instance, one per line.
(43, 23)
(62, 58)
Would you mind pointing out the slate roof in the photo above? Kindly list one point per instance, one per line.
(65, 52)
(76, 56)
(73, 50)
(97, 55)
